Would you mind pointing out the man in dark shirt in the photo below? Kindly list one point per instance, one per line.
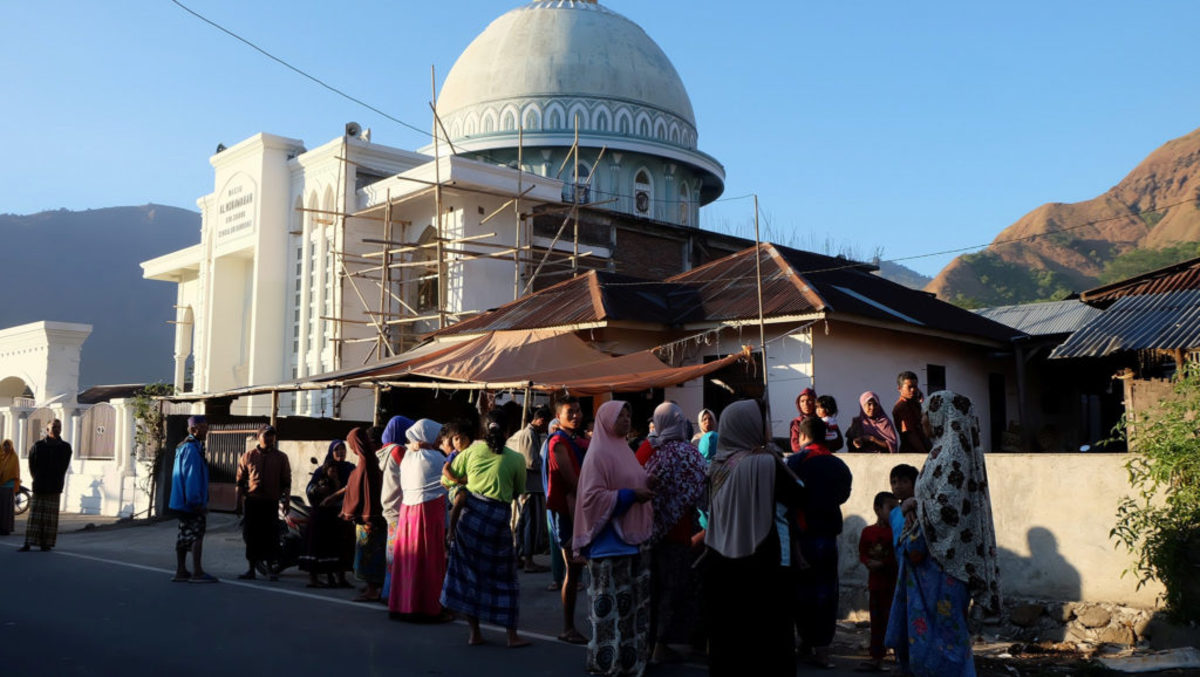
(264, 482)
(907, 415)
(48, 462)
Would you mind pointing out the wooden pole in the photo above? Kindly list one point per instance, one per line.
(575, 198)
(517, 211)
(762, 327)
(274, 408)
(437, 200)
(386, 282)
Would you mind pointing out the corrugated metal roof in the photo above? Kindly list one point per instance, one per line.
(1043, 319)
(1145, 322)
(1177, 277)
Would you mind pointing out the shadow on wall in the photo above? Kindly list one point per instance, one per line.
(1045, 573)
(89, 504)
(852, 574)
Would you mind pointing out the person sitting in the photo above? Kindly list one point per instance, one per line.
(872, 431)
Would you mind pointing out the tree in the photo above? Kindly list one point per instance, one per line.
(1160, 525)
(150, 433)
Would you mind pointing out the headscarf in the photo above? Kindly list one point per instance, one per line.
(880, 425)
(678, 469)
(954, 506)
(813, 395)
(365, 484)
(607, 468)
(741, 483)
(344, 468)
(424, 431)
(396, 429)
(10, 466)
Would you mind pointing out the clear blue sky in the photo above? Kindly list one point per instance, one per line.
(908, 126)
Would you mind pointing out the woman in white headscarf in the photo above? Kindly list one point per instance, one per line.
(746, 589)
(419, 555)
(947, 551)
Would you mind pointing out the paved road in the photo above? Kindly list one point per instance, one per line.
(101, 604)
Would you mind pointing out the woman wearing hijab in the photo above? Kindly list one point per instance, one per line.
(419, 561)
(806, 404)
(390, 455)
(872, 431)
(706, 439)
(744, 579)
(481, 578)
(947, 551)
(326, 547)
(613, 518)
(678, 473)
(362, 507)
(10, 484)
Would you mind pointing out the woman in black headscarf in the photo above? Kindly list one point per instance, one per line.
(327, 550)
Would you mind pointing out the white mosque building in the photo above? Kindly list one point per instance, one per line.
(283, 286)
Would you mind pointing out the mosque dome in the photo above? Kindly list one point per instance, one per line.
(548, 63)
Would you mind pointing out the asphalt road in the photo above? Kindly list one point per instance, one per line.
(101, 604)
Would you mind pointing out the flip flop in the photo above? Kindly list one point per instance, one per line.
(206, 578)
(181, 579)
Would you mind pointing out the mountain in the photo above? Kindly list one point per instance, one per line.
(69, 266)
(1150, 218)
(901, 274)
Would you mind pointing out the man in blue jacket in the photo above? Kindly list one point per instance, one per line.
(189, 498)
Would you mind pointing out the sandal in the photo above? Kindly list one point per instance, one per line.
(573, 637)
(181, 578)
(204, 578)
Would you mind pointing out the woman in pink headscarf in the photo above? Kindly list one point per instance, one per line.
(613, 518)
(872, 431)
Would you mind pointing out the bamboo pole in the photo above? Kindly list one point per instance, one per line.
(517, 210)
(762, 327)
(437, 199)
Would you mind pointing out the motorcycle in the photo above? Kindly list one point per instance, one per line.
(21, 500)
(294, 520)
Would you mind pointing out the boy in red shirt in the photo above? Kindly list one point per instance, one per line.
(876, 552)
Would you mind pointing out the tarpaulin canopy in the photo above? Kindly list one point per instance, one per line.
(542, 360)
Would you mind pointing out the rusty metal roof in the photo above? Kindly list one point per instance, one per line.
(1043, 319)
(1145, 322)
(1177, 277)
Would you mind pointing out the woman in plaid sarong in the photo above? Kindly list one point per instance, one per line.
(481, 579)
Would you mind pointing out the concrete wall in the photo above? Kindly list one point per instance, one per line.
(1053, 514)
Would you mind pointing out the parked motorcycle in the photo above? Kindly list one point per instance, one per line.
(21, 500)
(293, 535)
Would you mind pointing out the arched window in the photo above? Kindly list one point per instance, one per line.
(643, 192)
(509, 122)
(623, 124)
(532, 120)
(555, 120)
(644, 128)
(427, 276)
(582, 188)
(489, 123)
(685, 205)
(602, 120)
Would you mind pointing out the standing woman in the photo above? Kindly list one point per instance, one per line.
(678, 473)
(390, 455)
(613, 518)
(419, 561)
(872, 431)
(10, 484)
(362, 507)
(744, 581)
(947, 551)
(326, 490)
(706, 439)
(481, 579)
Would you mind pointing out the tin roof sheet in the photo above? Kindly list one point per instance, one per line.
(1177, 277)
(1145, 322)
(1043, 319)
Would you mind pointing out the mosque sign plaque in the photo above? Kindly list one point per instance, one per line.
(235, 209)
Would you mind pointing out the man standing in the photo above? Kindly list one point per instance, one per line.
(48, 461)
(189, 498)
(264, 482)
(565, 459)
(907, 416)
(529, 532)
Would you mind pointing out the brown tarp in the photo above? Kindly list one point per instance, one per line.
(543, 360)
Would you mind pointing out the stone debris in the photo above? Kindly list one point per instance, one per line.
(1171, 659)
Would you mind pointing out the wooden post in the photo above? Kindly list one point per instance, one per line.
(517, 211)
(762, 328)
(274, 408)
(575, 199)
(437, 200)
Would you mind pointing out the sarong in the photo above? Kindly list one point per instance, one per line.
(42, 529)
(530, 530)
(260, 529)
(388, 550)
(481, 580)
(620, 613)
(370, 560)
(419, 561)
(191, 529)
(817, 591)
(323, 553)
(7, 516)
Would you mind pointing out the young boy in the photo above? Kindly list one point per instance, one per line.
(875, 550)
(904, 480)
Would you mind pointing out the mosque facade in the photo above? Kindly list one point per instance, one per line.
(286, 280)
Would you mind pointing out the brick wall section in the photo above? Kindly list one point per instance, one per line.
(647, 256)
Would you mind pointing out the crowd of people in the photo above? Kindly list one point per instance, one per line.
(688, 535)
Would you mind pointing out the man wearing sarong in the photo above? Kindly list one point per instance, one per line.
(264, 481)
(48, 461)
(530, 528)
(189, 499)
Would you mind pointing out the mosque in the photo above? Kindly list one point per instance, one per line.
(313, 260)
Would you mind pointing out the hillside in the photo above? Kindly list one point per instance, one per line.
(1150, 218)
(83, 267)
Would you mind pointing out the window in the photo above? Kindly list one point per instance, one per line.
(935, 378)
(580, 194)
(643, 192)
(427, 276)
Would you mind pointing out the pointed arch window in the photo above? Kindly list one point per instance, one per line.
(643, 192)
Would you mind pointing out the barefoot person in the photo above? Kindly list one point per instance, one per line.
(362, 507)
(565, 456)
(48, 461)
(481, 578)
(189, 498)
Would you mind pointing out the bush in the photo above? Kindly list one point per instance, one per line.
(1160, 525)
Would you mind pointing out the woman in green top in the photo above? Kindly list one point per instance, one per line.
(481, 578)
